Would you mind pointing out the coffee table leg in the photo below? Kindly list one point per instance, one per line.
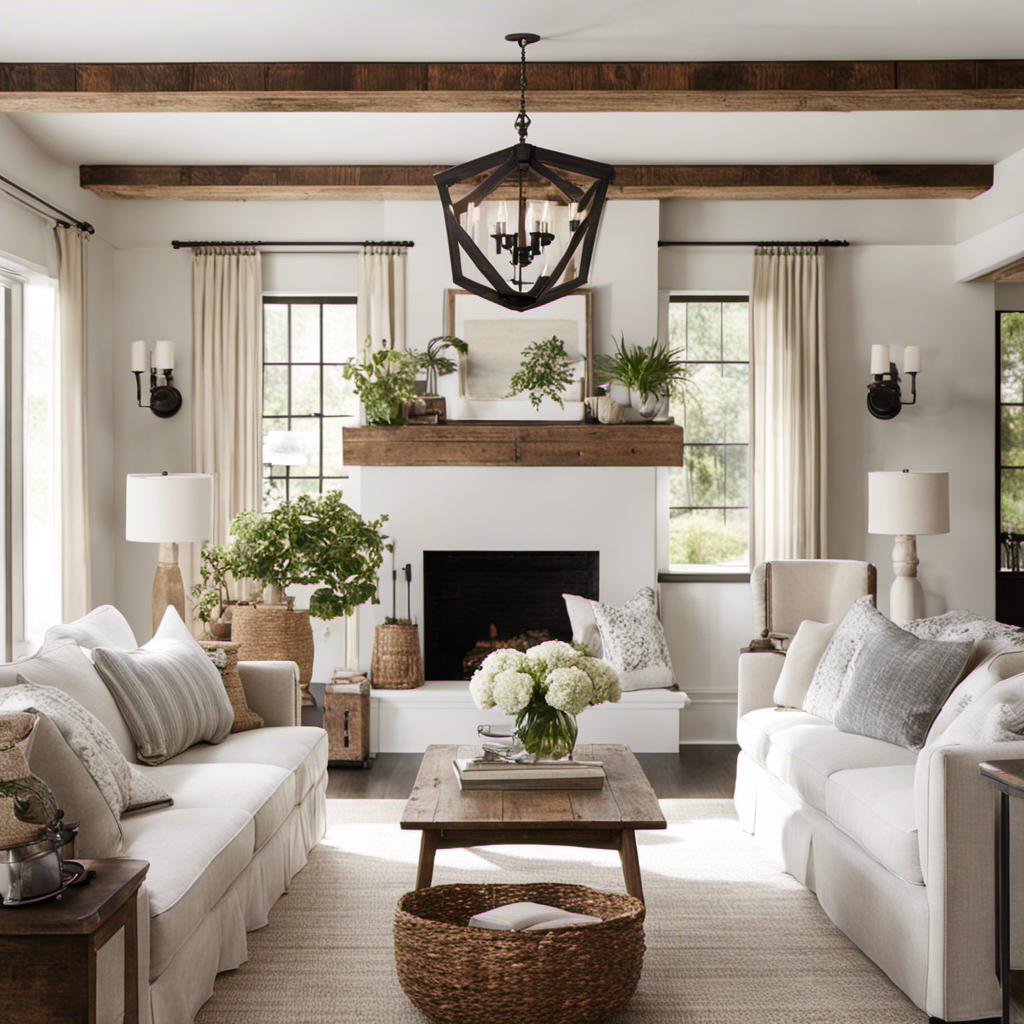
(630, 863)
(425, 871)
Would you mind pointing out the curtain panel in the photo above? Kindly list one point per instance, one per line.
(227, 383)
(788, 500)
(76, 599)
(380, 297)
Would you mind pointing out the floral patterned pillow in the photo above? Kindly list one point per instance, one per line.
(632, 637)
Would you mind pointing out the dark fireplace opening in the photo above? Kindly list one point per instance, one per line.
(475, 601)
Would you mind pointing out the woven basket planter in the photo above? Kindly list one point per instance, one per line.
(269, 632)
(460, 975)
(396, 663)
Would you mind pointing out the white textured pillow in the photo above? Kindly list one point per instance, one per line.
(802, 657)
(656, 677)
(102, 627)
(584, 625)
(632, 636)
(169, 692)
(994, 717)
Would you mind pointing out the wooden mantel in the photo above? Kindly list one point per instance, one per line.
(496, 443)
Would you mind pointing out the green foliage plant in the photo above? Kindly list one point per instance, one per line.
(653, 369)
(436, 363)
(210, 594)
(313, 540)
(383, 380)
(545, 372)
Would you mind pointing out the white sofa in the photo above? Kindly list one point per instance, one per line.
(897, 845)
(246, 813)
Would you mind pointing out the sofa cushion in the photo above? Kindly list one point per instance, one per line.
(803, 750)
(102, 627)
(194, 855)
(169, 691)
(301, 750)
(1006, 661)
(262, 790)
(65, 666)
(875, 807)
(995, 716)
(802, 657)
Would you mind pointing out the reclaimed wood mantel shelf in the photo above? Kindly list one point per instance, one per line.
(494, 443)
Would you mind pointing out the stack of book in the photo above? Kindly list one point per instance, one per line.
(478, 773)
(347, 676)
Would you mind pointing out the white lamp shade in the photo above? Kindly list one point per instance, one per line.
(284, 448)
(172, 508)
(908, 503)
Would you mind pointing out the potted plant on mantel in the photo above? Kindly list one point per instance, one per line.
(309, 540)
(383, 380)
(653, 373)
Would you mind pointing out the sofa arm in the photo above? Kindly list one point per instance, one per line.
(272, 690)
(956, 811)
(758, 674)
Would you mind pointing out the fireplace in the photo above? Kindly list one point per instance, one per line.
(482, 597)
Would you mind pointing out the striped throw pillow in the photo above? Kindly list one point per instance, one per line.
(168, 691)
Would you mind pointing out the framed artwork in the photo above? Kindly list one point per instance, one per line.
(497, 337)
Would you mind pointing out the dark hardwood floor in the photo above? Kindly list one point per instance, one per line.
(696, 772)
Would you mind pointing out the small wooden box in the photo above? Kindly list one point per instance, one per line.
(347, 721)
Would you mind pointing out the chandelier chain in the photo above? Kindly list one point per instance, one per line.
(523, 120)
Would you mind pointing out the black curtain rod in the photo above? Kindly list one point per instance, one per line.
(824, 243)
(66, 220)
(257, 245)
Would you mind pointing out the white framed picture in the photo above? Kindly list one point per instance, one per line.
(497, 337)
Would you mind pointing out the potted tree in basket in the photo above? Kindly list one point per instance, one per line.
(309, 540)
(653, 373)
(211, 603)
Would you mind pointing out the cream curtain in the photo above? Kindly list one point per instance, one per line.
(788, 405)
(227, 385)
(71, 304)
(380, 296)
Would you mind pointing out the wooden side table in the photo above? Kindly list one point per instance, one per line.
(48, 950)
(1008, 776)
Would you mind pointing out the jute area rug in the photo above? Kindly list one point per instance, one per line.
(730, 937)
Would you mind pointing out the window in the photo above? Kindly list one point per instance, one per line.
(708, 503)
(1010, 467)
(305, 398)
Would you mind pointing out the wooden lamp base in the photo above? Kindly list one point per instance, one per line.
(168, 586)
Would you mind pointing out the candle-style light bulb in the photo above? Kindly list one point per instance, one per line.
(574, 212)
(879, 359)
(140, 357)
(163, 355)
(912, 359)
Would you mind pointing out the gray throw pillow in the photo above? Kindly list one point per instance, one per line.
(898, 684)
(168, 691)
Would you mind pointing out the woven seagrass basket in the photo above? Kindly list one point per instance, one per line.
(460, 975)
(270, 632)
(396, 662)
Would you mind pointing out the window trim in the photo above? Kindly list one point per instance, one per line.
(1000, 465)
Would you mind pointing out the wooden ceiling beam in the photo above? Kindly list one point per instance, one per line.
(798, 181)
(553, 86)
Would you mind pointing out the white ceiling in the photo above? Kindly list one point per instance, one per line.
(422, 30)
(318, 138)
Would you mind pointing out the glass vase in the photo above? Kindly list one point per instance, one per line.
(546, 733)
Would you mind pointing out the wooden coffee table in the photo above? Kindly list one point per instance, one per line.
(604, 819)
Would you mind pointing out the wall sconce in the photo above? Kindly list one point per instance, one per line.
(164, 399)
(884, 399)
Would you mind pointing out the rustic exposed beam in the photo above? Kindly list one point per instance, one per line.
(566, 86)
(1008, 273)
(795, 181)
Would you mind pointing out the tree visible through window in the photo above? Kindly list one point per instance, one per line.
(1011, 441)
(708, 503)
(305, 398)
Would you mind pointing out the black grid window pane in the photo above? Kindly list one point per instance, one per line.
(1010, 441)
(708, 496)
(305, 398)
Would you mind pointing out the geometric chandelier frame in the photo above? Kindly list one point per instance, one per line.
(582, 184)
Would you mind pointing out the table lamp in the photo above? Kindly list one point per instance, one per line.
(168, 509)
(907, 505)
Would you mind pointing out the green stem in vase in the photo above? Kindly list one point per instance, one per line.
(545, 731)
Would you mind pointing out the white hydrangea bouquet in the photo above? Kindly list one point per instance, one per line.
(545, 687)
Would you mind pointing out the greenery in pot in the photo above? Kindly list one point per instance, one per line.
(383, 380)
(210, 594)
(313, 540)
(436, 363)
(545, 372)
(649, 370)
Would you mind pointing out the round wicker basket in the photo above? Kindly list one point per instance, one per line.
(461, 975)
(269, 632)
(396, 662)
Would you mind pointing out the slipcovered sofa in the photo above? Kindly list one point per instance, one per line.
(246, 813)
(898, 845)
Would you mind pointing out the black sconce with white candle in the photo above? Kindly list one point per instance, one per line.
(164, 398)
(884, 398)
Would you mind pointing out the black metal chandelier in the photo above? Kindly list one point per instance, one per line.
(507, 176)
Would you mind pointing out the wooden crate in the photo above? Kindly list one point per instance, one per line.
(347, 721)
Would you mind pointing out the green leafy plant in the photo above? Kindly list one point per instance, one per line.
(313, 540)
(210, 594)
(436, 363)
(383, 380)
(545, 372)
(653, 369)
